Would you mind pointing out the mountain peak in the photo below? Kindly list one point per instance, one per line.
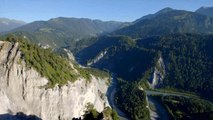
(204, 7)
(150, 16)
(175, 21)
(208, 11)
(164, 10)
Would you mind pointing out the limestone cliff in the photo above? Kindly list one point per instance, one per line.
(97, 58)
(158, 74)
(21, 90)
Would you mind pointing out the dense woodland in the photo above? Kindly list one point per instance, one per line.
(123, 57)
(183, 108)
(188, 59)
(132, 101)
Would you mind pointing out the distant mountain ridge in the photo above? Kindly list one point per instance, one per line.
(208, 11)
(9, 24)
(150, 16)
(63, 31)
(170, 21)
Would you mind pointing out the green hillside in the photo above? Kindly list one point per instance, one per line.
(62, 31)
(123, 57)
(172, 21)
(188, 59)
(55, 68)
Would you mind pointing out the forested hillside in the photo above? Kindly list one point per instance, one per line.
(120, 55)
(188, 59)
(57, 69)
(63, 32)
(170, 21)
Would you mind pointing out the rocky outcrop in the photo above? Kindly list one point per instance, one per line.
(69, 54)
(158, 74)
(22, 90)
(97, 58)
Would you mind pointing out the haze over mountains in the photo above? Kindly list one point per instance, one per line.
(9, 24)
(62, 31)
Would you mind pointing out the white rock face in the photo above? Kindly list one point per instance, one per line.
(159, 74)
(97, 58)
(69, 54)
(21, 90)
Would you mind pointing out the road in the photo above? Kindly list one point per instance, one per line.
(159, 112)
(150, 92)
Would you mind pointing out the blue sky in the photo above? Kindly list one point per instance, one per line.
(119, 10)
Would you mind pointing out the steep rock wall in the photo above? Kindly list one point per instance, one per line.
(97, 58)
(158, 74)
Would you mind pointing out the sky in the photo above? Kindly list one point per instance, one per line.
(117, 10)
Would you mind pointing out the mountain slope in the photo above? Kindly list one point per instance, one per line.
(8, 24)
(187, 60)
(118, 54)
(208, 11)
(150, 16)
(61, 31)
(174, 21)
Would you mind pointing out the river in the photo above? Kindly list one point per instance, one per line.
(159, 113)
(111, 95)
